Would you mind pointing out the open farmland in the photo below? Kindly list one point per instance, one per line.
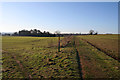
(106, 43)
(95, 63)
(37, 57)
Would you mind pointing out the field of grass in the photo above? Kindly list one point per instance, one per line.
(37, 57)
(96, 64)
(108, 43)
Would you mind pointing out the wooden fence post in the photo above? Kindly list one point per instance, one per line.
(59, 43)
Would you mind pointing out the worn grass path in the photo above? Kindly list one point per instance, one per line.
(21, 67)
(114, 57)
(25, 73)
(95, 63)
(78, 58)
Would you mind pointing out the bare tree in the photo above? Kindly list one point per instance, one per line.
(58, 34)
(91, 32)
(96, 33)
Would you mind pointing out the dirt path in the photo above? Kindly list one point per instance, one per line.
(102, 50)
(22, 68)
(78, 59)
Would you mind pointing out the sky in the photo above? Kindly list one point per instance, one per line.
(67, 17)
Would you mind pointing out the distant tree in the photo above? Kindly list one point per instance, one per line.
(35, 32)
(96, 33)
(7, 34)
(15, 34)
(24, 33)
(38, 31)
(91, 32)
(58, 34)
(31, 31)
(44, 32)
(47, 33)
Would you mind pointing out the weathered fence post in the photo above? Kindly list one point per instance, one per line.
(58, 34)
(59, 43)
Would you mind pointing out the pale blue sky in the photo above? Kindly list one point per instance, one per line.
(63, 16)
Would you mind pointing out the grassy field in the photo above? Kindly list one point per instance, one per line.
(37, 57)
(107, 43)
(96, 64)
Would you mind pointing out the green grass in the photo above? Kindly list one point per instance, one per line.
(38, 58)
(96, 64)
(108, 43)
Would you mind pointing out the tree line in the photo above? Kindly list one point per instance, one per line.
(34, 32)
(38, 33)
